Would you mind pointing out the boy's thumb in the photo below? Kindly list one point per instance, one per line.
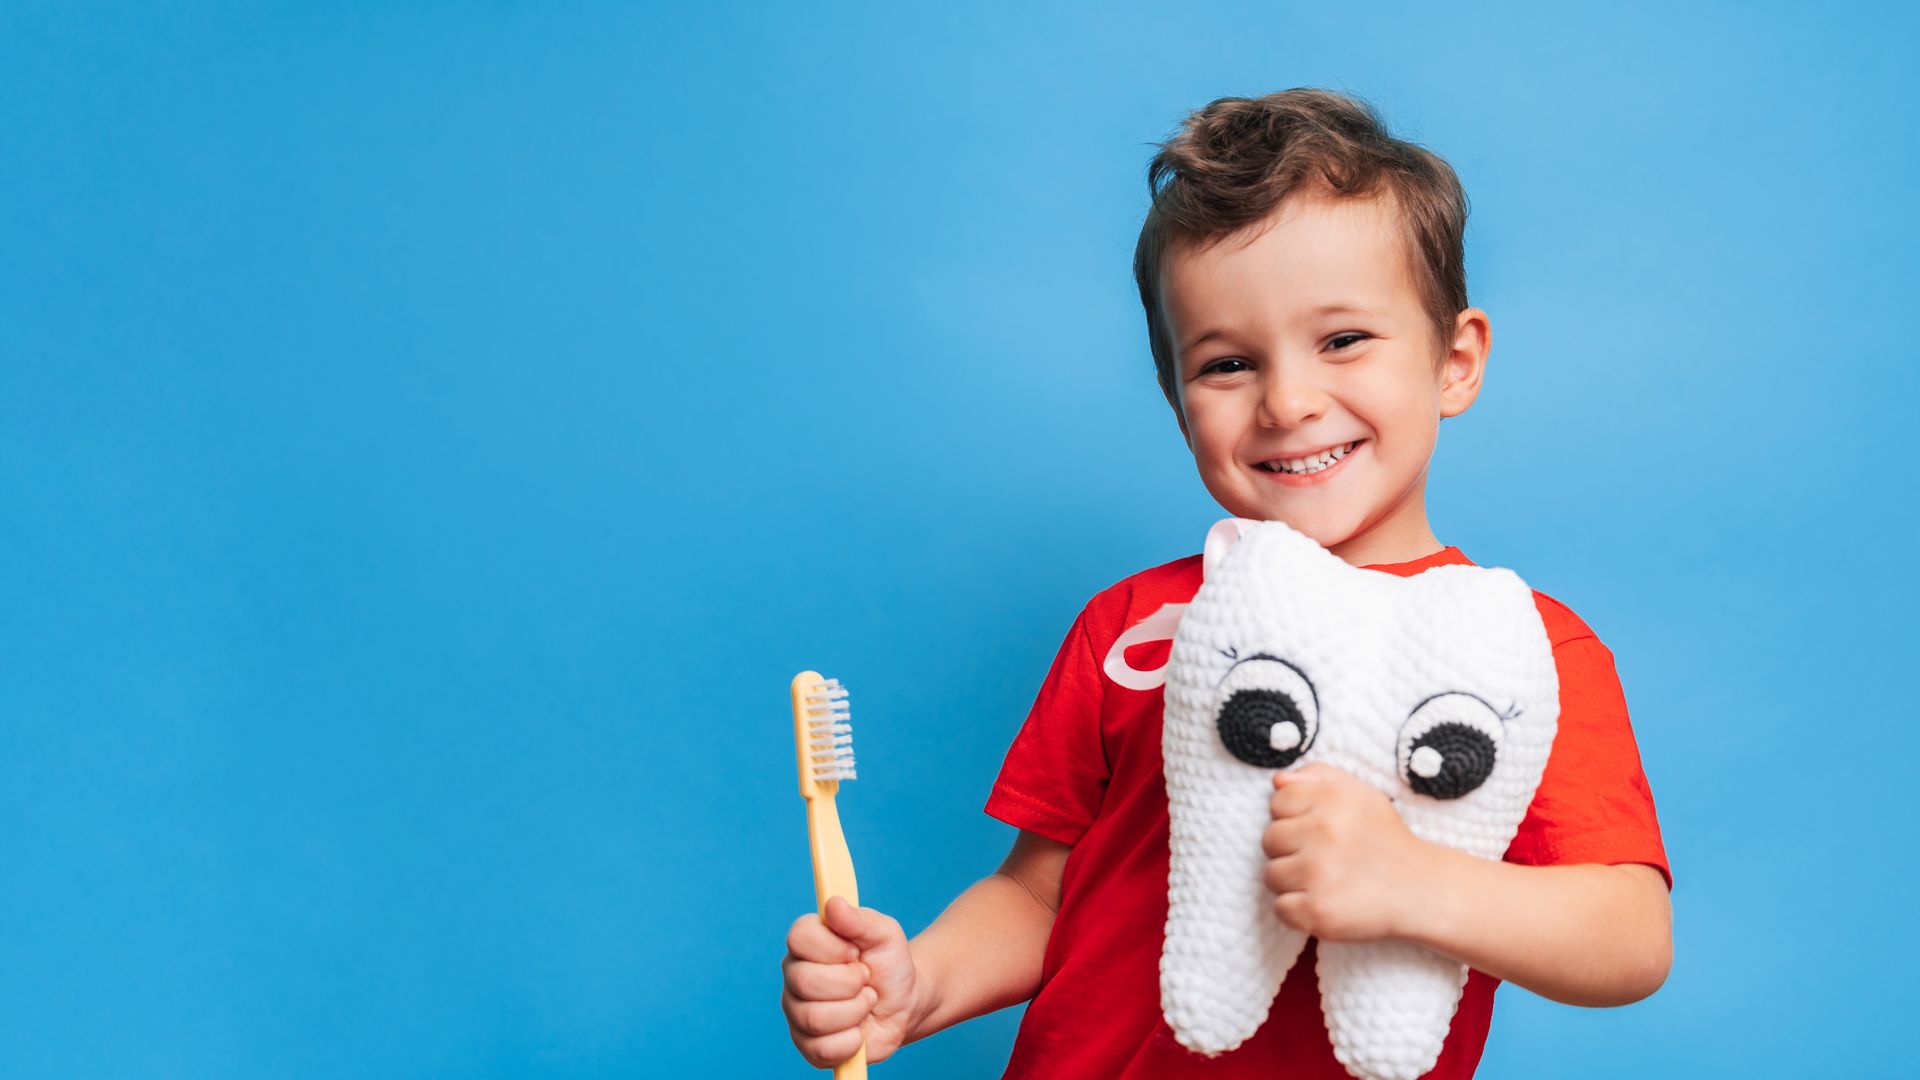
(857, 925)
(1293, 774)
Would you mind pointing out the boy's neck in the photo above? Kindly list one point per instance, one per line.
(1401, 536)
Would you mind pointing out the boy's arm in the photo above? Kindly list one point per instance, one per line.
(1345, 867)
(1587, 934)
(984, 952)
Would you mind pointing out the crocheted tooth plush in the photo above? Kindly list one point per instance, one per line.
(1438, 689)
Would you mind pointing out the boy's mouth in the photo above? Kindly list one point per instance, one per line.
(1311, 464)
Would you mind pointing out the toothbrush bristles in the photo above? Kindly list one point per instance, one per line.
(830, 732)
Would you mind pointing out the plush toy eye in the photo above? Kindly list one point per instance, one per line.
(1448, 745)
(1268, 713)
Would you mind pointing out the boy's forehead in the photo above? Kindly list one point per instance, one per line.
(1312, 253)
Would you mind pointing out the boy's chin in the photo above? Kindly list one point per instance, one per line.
(1327, 534)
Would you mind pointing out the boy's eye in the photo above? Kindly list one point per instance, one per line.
(1220, 365)
(1349, 338)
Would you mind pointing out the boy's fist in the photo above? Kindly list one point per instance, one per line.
(1341, 863)
(849, 977)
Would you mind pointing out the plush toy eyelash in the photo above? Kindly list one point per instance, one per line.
(1510, 713)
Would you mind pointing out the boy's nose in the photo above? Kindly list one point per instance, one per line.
(1290, 401)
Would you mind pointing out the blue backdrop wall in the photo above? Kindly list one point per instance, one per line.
(432, 435)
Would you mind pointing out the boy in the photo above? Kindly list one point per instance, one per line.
(1305, 291)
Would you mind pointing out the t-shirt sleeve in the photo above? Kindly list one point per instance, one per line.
(1055, 773)
(1593, 804)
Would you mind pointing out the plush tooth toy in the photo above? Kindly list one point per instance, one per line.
(1438, 689)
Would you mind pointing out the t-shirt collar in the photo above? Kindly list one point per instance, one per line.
(1448, 555)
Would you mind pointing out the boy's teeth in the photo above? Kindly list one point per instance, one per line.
(1312, 464)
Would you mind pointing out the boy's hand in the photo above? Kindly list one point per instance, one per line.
(848, 977)
(1343, 866)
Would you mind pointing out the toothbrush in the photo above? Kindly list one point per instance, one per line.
(823, 741)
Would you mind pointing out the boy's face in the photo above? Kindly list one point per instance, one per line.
(1311, 337)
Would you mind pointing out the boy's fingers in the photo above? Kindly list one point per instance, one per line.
(863, 927)
(1279, 839)
(826, 1051)
(829, 1017)
(1282, 875)
(809, 981)
(811, 939)
(1292, 800)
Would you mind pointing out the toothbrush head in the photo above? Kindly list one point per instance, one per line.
(822, 734)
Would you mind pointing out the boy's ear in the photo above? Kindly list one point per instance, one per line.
(1465, 362)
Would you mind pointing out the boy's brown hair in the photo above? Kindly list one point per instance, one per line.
(1234, 161)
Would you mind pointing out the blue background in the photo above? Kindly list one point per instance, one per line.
(432, 436)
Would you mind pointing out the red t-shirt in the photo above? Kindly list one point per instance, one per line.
(1086, 770)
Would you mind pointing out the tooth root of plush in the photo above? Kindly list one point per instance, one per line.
(1226, 951)
(1388, 1005)
(1215, 991)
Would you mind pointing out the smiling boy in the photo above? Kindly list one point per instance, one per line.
(1303, 278)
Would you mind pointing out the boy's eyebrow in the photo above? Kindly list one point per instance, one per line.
(1202, 340)
(1336, 308)
(1341, 308)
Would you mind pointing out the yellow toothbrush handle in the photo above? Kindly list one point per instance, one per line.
(833, 876)
(832, 863)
